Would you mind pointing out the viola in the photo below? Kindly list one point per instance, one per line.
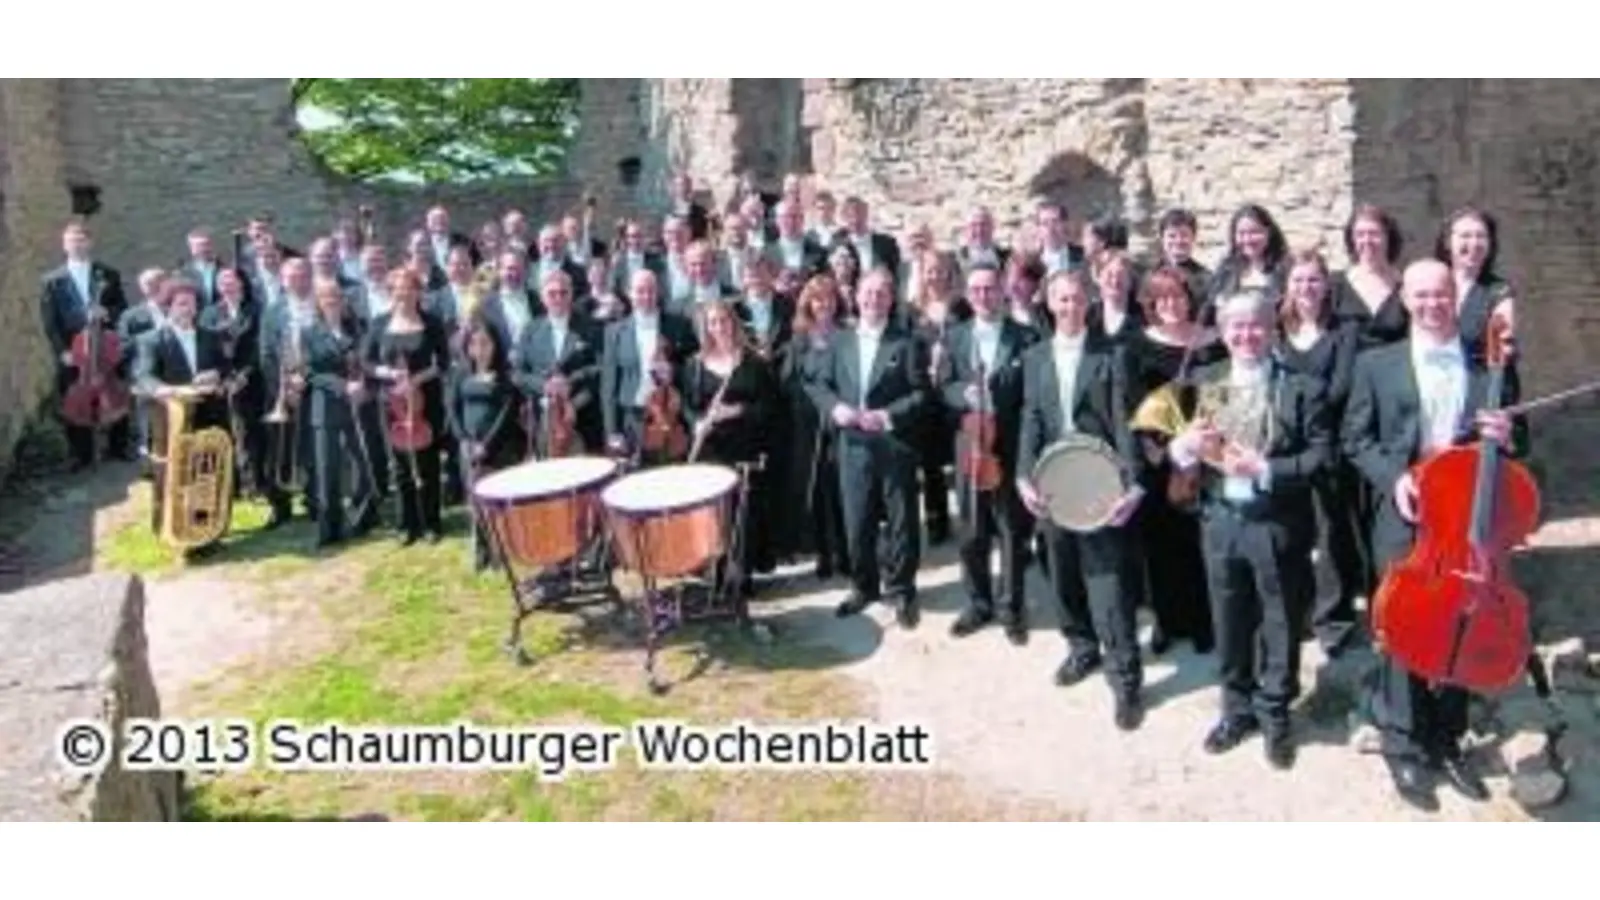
(409, 430)
(98, 397)
(1449, 611)
(979, 462)
(663, 418)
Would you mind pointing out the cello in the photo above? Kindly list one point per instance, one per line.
(1449, 612)
(98, 398)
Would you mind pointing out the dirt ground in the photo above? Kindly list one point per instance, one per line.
(1002, 730)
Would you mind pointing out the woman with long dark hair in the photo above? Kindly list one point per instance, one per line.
(1312, 342)
(1367, 294)
(482, 406)
(1255, 259)
(1469, 243)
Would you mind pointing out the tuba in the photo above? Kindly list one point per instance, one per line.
(197, 489)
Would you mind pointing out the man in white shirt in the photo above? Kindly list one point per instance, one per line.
(510, 312)
(1409, 400)
(979, 246)
(80, 294)
(202, 266)
(982, 373)
(139, 326)
(1258, 521)
(874, 249)
(794, 249)
(1074, 384)
(558, 359)
(1056, 251)
(641, 353)
(873, 387)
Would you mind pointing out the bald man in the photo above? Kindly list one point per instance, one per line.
(1258, 525)
(1408, 400)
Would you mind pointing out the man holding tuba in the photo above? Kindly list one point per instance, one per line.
(1259, 431)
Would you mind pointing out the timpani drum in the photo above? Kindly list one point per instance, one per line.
(1080, 478)
(672, 521)
(544, 512)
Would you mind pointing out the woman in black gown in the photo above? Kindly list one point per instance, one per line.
(1115, 316)
(1367, 294)
(482, 408)
(1255, 260)
(812, 509)
(331, 356)
(1169, 535)
(1469, 243)
(937, 308)
(729, 398)
(1313, 343)
(407, 349)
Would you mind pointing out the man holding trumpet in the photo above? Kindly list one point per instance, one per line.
(1262, 431)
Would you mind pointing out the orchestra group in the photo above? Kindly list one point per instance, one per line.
(899, 394)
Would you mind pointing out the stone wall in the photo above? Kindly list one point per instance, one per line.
(77, 651)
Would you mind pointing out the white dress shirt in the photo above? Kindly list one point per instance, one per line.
(441, 248)
(378, 301)
(1055, 260)
(863, 245)
(1441, 373)
(1068, 353)
(79, 273)
(976, 255)
(302, 312)
(986, 337)
(646, 334)
(519, 314)
(793, 251)
(208, 275)
(558, 334)
(867, 341)
(186, 340)
(760, 314)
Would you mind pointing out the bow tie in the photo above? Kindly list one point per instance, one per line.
(1442, 357)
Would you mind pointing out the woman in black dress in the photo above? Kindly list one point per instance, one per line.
(937, 308)
(408, 352)
(1313, 343)
(1115, 317)
(1169, 534)
(1367, 294)
(482, 408)
(1023, 277)
(1255, 259)
(729, 398)
(1469, 243)
(814, 513)
(331, 355)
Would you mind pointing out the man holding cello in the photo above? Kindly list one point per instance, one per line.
(1410, 401)
(79, 307)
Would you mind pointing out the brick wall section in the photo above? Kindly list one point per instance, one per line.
(32, 206)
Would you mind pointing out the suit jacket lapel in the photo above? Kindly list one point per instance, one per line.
(1088, 370)
(180, 359)
(848, 346)
(1408, 398)
(888, 346)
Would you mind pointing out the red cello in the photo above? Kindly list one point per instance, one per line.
(1449, 612)
(98, 398)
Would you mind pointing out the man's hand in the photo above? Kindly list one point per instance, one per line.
(1197, 440)
(297, 382)
(66, 359)
(875, 421)
(1406, 497)
(386, 373)
(557, 386)
(662, 370)
(722, 412)
(354, 389)
(1241, 462)
(972, 394)
(844, 416)
(1495, 426)
(616, 445)
(164, 392)
(1032, 499)
(479, 453)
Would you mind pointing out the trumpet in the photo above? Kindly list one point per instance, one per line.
(287, 474)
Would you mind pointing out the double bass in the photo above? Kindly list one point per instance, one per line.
(1449, 612)
(98, 397)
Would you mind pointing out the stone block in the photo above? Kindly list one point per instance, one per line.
(76, 649)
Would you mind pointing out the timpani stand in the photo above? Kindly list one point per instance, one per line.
(680, 529)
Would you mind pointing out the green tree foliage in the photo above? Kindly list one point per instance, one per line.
(438, 129)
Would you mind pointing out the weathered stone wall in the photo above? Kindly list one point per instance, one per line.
(77, 651)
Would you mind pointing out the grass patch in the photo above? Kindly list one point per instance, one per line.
(416, 639)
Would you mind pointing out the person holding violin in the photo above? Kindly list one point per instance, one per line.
(1408, 401)
(333, 383)
(729, 400)
(409, 353)
(1076, 383)
(637, 390)
(482, 407)
(84, 297)
(874, 387)
(981, 383)
(1264, 436)
(557, 367)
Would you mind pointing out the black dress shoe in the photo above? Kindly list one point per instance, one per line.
(1203, 646)
(1077, 667)
(1017, 629)
(409, 538)
(971, 620)
(1413, 782)
(907, 614)
(1129, 713)
(1228, 734)
(1461, 774)
(433, 537)
(1280, 749)
(938, 531)
(824, 570)
(1159, 642)
(853, 605)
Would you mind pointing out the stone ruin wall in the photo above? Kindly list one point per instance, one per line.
(166, 154)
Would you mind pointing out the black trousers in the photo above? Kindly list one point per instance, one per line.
(991, 516)
(1415, 720)
(935, 450)
(1256, 566)
(417, 476)
(370, 419)
(118, 439)
(1169, 541)
(1339, 571)
(333, 445)
(878, 483)
(1093, 578)
(828, 533)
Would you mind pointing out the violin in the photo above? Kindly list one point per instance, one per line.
(663, 417)
(559, 435)
(979, 462)
(409, 430)
(1449, 612)
(98, 397)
